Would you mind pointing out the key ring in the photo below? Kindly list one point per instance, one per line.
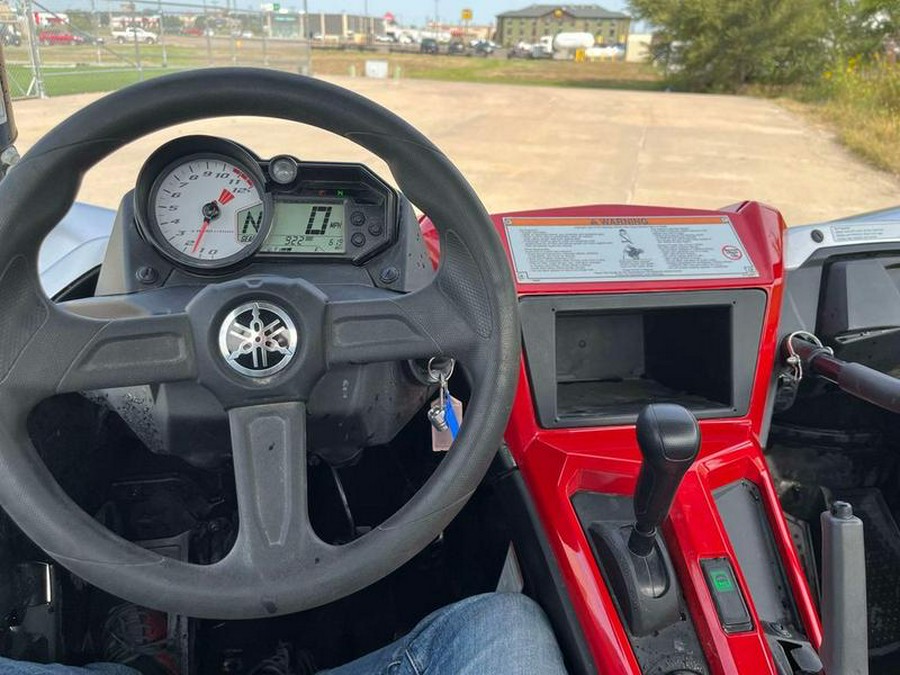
(440, 375)
(793, 359)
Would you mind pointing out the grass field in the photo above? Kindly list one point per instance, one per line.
(501, 70)
(81, 69)
(860, 103)
(64, 81)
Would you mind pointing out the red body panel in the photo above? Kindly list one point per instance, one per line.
(556, 463)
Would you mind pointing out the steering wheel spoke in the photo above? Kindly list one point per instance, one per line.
(269, 452)
(417, 325)
(104, 342)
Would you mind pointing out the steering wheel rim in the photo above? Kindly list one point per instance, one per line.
(468, 311)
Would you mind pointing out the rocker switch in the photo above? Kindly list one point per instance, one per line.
(727, 596)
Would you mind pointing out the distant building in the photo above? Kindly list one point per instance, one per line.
(320, 26)
(533, 22)
(343, 26)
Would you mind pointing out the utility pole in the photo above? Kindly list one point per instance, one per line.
(208, 34)
(137, 46)
(37, 77)
(162, 36)
(308, 39)
(366, 26)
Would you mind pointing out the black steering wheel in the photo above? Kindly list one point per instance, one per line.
(277, 565)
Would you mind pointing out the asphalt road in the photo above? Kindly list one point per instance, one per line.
(529, 147)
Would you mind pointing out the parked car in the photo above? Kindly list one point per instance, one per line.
(87, 38)
(135, 34)
(59, 37)
(10, 36)
(522, 50)
(385, 38)
(193, 31)
(483, 47)
(429, 46)
(539, 52)
(456, 48)
(605, 52)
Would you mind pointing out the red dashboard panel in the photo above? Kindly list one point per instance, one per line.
(557, 463)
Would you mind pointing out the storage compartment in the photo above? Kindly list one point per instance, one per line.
(612, 363)
(597, 360)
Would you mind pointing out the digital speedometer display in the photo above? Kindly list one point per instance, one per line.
(307, 227)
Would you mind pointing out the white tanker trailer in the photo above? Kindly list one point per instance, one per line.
(572, 41)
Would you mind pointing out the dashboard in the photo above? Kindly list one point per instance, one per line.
(207, 204)
(206, 210)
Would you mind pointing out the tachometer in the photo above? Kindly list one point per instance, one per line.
(202, 202)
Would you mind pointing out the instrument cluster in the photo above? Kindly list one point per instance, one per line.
(209, 204)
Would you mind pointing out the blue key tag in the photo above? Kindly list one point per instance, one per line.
(450, 416)
(445, 415)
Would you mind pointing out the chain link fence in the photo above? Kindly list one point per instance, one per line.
(22, 63)
(53, 51)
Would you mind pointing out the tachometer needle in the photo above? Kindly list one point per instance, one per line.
(200, 236)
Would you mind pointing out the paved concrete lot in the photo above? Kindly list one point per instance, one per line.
(528, 147)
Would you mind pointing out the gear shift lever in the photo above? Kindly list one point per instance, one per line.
(669, 439)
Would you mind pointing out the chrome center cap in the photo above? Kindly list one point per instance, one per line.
(257, 339)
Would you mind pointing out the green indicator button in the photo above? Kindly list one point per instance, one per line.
(726, 594)
(722, 581)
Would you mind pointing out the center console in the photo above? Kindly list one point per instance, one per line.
(649, 342)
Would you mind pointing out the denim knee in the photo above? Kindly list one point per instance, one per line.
(509, 608)
(496, 633)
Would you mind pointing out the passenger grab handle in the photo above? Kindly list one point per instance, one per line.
(804, 353)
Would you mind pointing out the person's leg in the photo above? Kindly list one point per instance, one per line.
(10, 667)
(497, 633)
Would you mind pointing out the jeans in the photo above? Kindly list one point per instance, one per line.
(492, 634)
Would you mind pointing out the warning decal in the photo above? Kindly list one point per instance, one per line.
(652, 248)
(845, 234)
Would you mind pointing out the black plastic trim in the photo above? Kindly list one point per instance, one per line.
(743, 515)
(669, 649)
(539, 333)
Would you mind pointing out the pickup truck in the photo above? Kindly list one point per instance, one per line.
(135, 34)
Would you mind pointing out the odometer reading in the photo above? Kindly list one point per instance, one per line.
(307, 227)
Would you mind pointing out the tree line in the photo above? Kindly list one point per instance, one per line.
(725, 45)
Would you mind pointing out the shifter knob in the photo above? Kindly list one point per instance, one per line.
(669, 438)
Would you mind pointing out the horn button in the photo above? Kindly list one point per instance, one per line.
(259, 339)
